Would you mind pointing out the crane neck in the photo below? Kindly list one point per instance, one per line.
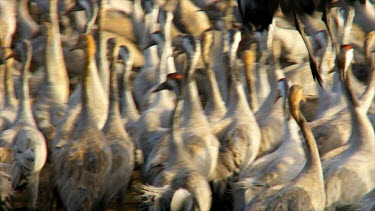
(313, 163)
(361, 132)
(113, 119)
(101, 54)
(237, 97)
(56, 80)
(25, 115)
(177, 142)
(248, 64)
(176, 146)
(10, 98)
(92, 11)
(87, 81)
(163, 63)
(192, 105)
(215, 103)
(129, 110)
(28, 27)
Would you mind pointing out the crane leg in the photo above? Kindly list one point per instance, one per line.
(313, 63)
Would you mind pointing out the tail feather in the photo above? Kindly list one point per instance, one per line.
(149, 193)
(248, 183)
(244, 191)
(6, 190)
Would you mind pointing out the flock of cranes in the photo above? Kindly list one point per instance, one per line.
(214, 116)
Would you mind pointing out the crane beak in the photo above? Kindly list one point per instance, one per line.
(149, 44)
(160, 87)
(75, 8)
(208, 7)
(332, 70)
(177, 52)
(211, 6)
(75, 47)
(12, 55)
(204, 9)
(211, 28)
